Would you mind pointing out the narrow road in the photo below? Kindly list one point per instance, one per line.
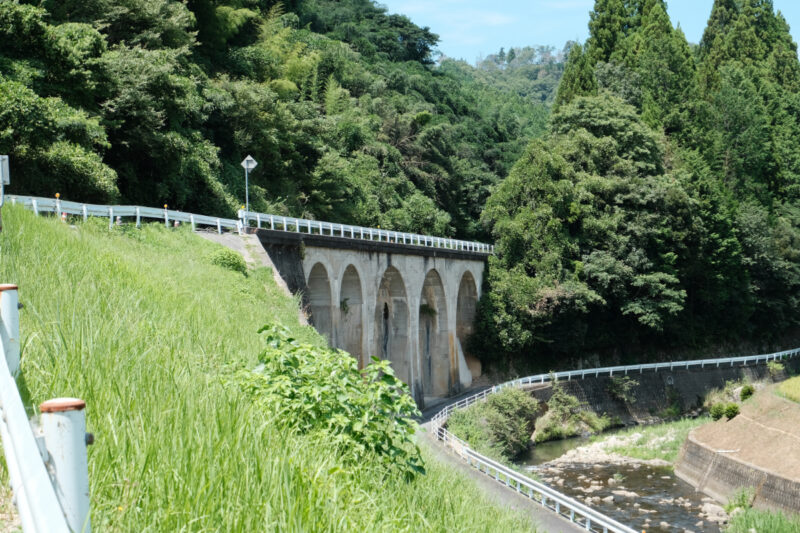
(546, 520)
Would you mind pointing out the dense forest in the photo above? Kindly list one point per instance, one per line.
(341, 103)
(643, 192)
(661, 208)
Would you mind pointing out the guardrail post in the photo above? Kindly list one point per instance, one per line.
(86, 212)
(166, 216)
(9, 325)
(219, 227)
(191, 219)
(35, 207)
(63, 425)
(110, 218)
(138, 216)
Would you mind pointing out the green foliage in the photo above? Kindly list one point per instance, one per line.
(746, 392)
(139, 326)
(229, 259)
(731, 410)
(757, 520)
(340, 103)
(622, 388)
(501, 426)
(363, 412)
(566, 416)
(741, 499)
(790, 389)
(775, 369)
(717, 411)
(661, 208)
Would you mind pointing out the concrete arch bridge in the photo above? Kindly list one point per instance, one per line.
(413, 304)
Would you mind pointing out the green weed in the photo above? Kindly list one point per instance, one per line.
(141, 327)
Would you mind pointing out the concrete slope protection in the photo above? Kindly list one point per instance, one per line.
(756, 450)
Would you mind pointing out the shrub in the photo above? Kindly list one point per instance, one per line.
(228, 259)
(501, 426)
(621, 388)
(775, 369)
(717, 410)
(321, 390)
(741, 499)
(731, 410)
(567, 416)
(746, 392)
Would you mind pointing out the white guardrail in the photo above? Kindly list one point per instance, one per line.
(46, 458)
(246, 219)
(549, 498)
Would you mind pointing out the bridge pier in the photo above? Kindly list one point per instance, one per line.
(412, 305)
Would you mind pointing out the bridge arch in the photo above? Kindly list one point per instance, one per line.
(466, 305)
(434, 341)
(319, 300)
(392, 323)
(351, 309)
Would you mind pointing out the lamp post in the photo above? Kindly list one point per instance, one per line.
(249, 164)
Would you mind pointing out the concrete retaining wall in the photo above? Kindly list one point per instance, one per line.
(720, 476)
(657, 391)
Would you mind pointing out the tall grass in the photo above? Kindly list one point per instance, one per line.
(790, 389)
(763, 521)
(142, 326)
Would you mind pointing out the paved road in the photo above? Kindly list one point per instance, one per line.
(546, 521)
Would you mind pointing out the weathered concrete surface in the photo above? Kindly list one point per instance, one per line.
(657, 391)
(254, 255)
(757, 449)
(412, 305)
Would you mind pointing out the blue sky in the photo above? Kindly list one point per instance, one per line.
(469, 29)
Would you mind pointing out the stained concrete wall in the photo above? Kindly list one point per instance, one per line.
(415, 304)
(721, 476)
(657, 391)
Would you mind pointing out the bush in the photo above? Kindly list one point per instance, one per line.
(228, 259)
(567, 416)
(501, 426)
(746, 392)
(731, 410)
(316, 390)
(717, 410)
(621, 388)
(775, 369)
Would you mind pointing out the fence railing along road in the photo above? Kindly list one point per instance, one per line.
(46, 458)
(548, 497)
(246, 219)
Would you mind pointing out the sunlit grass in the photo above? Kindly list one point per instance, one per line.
(140, 325)
(790, 389)
(763, 521)
(659, 441)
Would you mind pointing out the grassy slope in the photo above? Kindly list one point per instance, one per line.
(138, 324)
(659, 441)
(790, 389)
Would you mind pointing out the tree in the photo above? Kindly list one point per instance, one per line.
(608, 23)
(578, 79)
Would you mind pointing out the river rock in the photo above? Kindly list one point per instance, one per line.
(663, 525)
(612, 482)
(609, 499)
(560, 482)
(714, 512)
(625, 494)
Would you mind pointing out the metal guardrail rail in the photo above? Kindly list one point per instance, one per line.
(301, 225)
(46, 458)
(55, 205)
(551, 499)
(246, 219)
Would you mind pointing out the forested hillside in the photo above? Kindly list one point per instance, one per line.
(158, 101)
(661, 209)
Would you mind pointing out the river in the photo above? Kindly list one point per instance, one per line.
(642, 496)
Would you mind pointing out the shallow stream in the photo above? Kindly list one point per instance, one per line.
(641, 496)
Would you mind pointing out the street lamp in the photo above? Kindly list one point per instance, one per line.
(249, 164)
